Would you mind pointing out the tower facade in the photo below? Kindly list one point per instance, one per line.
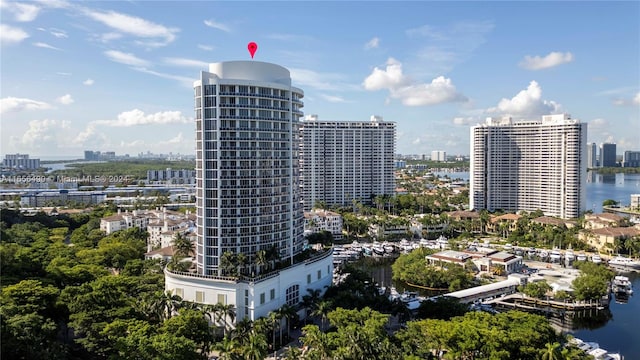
(529, 165)
(248, 199)
(247, 167)
(607, 155)
(592, 156)
(347, 160)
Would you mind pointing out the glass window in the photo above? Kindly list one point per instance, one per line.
(293, 295)
(199, 296)
(262, 297)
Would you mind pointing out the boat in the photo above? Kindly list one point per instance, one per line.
(622, 284)
(569, 256)
(554, 255)
(388, 248)
(596, 259)
(623, 262)
(594, 349)
(377, 248)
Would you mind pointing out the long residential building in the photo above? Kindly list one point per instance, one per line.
(529, 165)
(344, 161)
(247, 117)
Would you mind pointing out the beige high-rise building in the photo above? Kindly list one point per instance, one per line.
(529, 165)
(346, 160)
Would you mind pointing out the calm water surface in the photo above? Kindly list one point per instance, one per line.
(622, 332)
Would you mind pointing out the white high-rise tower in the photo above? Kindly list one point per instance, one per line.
(529, 165)
(248, 197)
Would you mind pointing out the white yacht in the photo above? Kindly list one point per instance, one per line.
(554, 255)
(622, 284)
(569, 256)
(624, 262)
(596, 259)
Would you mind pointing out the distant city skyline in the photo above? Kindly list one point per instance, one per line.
(114, 76)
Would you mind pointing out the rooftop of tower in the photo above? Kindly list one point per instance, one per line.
(251, 70)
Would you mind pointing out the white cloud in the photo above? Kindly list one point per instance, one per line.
(65, 99)
(441, 48)
(13, 104)
(598, 124)
(58, 33)
(42, 134)
(22, 12)
(133, 25)
(45, 46)
(635, 100)
(138, 117)
(550, 60)
(11, 35)
(464, 120)
(185, 81)
(205, 47)
(55, 32)
(125, 58)
(372, 44)
(333, 98)
(287, 37)
(440, 90)
(527, 103)
(389, 78)
(187, 63)
(216, 25)
(106, 37)
(88, 82)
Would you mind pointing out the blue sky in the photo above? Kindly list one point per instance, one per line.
(117, 76)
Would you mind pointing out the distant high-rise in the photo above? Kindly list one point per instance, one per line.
(248, 201)
(439, 155)
(529, 165)
(607, 155)
(631, 159)
(20, 162)
(592, 155)
(347, 160)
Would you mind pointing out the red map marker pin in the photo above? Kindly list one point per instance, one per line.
(252, 48)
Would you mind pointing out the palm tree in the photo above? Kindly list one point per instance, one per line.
(241, 262)
(228, 349)
(293, 353)
(242, 330)
(316, 342)
(182, 245)
(256, 347)
(261, 260)
(322, 309)
(309, 301)
(227, 261)
(288, 313)
(551, 352)
(484, 220)
(169, 303)
(228, 312)
(273, 319)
